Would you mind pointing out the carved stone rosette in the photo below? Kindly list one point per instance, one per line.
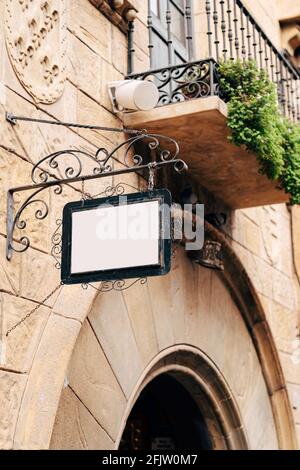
(36, 40)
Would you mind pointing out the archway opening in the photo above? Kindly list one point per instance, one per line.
(165, 417)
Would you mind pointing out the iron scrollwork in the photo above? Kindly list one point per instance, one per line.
(183, 82)
(70, 166)
(56, 240)
(117, 285)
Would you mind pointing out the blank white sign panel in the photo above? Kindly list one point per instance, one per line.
(115, 237)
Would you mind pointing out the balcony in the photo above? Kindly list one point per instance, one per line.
(191, 110)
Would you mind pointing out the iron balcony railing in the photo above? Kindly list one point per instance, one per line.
(231, 33)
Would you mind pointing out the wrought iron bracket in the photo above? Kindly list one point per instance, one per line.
(11, 118)
(71, 166)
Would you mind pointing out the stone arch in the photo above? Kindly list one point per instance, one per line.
(165, 326)
(206, 385)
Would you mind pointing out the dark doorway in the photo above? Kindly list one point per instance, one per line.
(165, 417)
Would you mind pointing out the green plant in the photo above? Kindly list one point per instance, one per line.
(291, 174)
(256, 122)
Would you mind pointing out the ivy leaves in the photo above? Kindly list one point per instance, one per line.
(256, 122)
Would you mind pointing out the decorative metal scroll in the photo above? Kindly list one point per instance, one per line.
(56, 247)
(118, 285)
(117, 190)
(70, 166)
(183, 82)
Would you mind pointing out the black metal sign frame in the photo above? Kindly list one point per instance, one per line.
(164, 199)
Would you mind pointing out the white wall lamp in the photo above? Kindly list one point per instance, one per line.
(133, 95)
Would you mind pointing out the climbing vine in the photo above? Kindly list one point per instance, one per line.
(256, 122)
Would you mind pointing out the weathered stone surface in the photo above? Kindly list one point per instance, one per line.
(248, 233)
(10, 271)
(39, 277)
(284, 290)
(64, 109)
(280, 404)
(21, 344)
(294, 394)
(11, 390)
(260, 430)
(142, 8)
(200, 299)
(91, 377)
(162, 306)
(8, 136)
(27, 136)
(8, 76)
(119, 48)
(74, 302)
(45, 381)
(85, 68)
(291, 367)
(110, 321)
(283, 323)
(140, 32)
(142, 61)
(86, 23)
(287, 9)
(13, 172)
(178, 279)
(139, 311)
(75, 428)
(38, 52)
(261, 274)
(90, 112)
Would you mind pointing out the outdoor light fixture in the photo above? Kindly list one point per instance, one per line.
(133, 95)
(210, 256)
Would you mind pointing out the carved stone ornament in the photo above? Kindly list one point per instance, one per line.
(119, 12)
(36, 39)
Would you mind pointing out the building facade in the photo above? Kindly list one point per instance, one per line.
(199, 358)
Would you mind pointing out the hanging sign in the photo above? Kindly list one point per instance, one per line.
(118, 237)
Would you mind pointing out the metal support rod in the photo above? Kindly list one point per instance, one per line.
(77, 179)
(12, 119)
(169, 33)
(150, 33)
(189, 29)
(131, 51)
(9, 224)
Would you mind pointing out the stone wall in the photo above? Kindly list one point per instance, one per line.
(96, 54)
(35, 356)
(125, 332)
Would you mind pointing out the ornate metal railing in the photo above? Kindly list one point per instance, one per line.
(232, 33)
(184, 82)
